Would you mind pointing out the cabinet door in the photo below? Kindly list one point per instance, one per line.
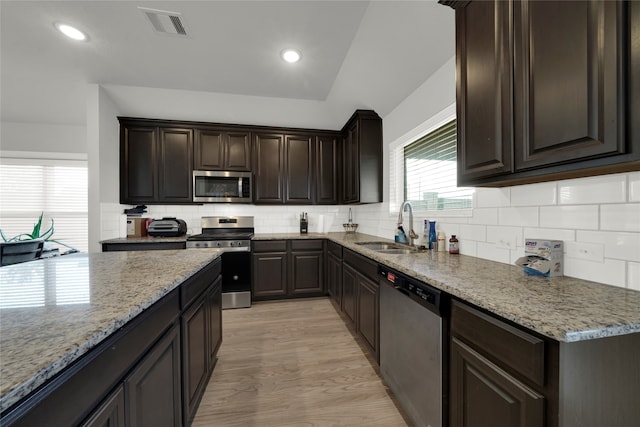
(269, 274)
(334, 277)
(484, 94)
(237, 152)
(215, 321)
(138, 164)
(569, 100)
(209, 150)
(327, 170)
(298, 172)
(483, 395)
(152, 391)
(175, 165)
(307, 273)
(268, 164)
(350, 165)
(634, 70)
(349, 288)
(367, 324)
(110, 413)
(195, 355)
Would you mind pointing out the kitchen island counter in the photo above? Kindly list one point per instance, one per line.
(565, 309)
(54, 311)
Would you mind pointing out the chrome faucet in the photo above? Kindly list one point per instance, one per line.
(412, 234)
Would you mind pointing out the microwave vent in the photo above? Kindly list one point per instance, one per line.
(165, 22)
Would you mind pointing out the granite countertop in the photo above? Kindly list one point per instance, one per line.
(53, 311)
(563, 308)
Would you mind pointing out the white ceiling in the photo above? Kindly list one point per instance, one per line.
(356, 54)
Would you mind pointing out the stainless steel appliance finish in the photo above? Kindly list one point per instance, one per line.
(222, 187)
(232, 235)
(411, 346)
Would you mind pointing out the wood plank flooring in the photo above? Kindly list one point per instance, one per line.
(293, 363)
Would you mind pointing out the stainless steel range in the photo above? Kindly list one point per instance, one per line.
(231, 234)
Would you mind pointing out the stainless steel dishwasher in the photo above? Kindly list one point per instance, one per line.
(412, 349)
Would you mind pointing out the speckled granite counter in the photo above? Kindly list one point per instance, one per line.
(562, 308)
(55, 310)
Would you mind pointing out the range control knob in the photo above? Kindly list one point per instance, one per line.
(218, 244)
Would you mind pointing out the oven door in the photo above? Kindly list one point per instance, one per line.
(236, 279)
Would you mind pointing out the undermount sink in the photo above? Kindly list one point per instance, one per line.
(387, 248)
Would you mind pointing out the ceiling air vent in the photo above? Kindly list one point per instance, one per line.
(165, 22)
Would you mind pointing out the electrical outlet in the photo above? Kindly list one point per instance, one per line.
(586, 251)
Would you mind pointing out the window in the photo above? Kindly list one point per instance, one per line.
(56, 187)
(430, 172)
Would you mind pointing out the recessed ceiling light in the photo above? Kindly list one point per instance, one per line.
(291, 55)
(71, 32)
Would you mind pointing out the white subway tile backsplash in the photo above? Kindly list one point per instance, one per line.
(467, 247)
(599, 189)
(634, 187)
(622, 217)
(611, 272)
(576, 217)
(486, 216)
(505, 237)
(549, 233)
(472, 232)
(519, 216)
(624, 246)
(491, 197)
(633, 276)
(491, 252)
(534, 194)
(585, 251)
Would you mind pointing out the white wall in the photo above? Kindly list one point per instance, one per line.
(598, 218)
(42, 137)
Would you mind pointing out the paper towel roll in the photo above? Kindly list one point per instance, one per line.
(320, 226)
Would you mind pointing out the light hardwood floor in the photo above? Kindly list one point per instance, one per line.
(293, 363)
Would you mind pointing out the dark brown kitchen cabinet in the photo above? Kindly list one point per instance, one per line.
(306, 274)
(268, 166)
(288, 268)
(155, 383)
(545, 90)
(110, 413)
(334, 272)
(368, 313)
(269, 267)
(486, 396)
(156, 163)
(222, 150)
(327, 168)
(298, 169)
(201, 338)
(349, 291)
(362, 158)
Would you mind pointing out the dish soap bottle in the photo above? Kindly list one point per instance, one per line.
(432, 235)
(441, 242)
(425, 234)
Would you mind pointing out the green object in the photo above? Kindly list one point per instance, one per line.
(37, 233)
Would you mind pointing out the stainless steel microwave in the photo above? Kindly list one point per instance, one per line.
(222, 187)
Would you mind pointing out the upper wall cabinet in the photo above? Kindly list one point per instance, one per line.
(222, 150)
(327, 167)
(548, 93)
(362, 158)
(155, 163)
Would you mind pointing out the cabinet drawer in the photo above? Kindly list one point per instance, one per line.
(362, 264)
(334, 248)
(511, 347)
(269, 246)
(306, 245)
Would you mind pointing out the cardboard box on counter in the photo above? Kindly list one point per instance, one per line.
(542, 257)
(136, 227)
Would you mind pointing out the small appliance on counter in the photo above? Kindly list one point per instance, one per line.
(167, 227)
(304, 223)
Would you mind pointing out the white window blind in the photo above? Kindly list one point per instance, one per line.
(56, 187)
(430, 172)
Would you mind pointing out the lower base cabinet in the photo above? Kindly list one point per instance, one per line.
(152, 391)
(287, 268)
(334, 272)
(110, 413)
(368, 315)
